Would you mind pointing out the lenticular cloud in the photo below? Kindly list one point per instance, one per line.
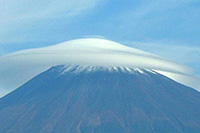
(19, 67)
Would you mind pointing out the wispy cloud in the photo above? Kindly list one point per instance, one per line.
(31, 10)
(188, 55)
(152, 20)
(133, 20)
(47, 21)
(17, 17)
(150, 7)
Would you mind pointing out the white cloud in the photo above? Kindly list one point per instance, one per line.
(163, 48)
(160, 19)
(185, 79)
(19, 67)
(3, 92)
(24, 9)
(152, 6)
(15, 17)
(188, 55)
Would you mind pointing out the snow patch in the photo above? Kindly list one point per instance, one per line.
(88, 69)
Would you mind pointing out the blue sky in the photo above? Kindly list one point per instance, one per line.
(168, 28)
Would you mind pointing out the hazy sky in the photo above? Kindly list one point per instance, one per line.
(170, 28)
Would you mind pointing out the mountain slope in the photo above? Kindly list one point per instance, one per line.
(100, 99)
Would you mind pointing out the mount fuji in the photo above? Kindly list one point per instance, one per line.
(27, 64)
(105, 88)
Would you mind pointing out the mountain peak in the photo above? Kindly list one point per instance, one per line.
(88, 51)
(88, 69)
(82, 99)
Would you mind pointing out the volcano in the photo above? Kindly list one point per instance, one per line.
(19, 67)
(81, 98)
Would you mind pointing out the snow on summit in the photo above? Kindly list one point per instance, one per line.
(19, 67)
(88, 69)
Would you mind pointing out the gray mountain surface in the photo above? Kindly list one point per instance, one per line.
(89, 99)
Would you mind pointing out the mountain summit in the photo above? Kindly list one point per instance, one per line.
(88, 51)
(80, 98)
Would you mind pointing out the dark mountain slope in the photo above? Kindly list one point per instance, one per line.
(100, 99)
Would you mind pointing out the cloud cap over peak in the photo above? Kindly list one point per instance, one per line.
(89, 51)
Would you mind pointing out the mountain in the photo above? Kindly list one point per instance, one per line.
(27, 64)
(79, 98)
